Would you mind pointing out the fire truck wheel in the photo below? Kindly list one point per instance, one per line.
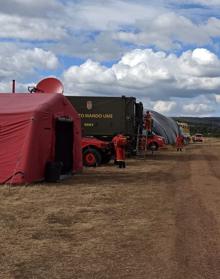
(91, 157)
(153, 146)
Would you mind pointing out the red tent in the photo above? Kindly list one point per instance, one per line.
(36, 129)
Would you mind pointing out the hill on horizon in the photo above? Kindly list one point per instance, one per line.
(208, 126)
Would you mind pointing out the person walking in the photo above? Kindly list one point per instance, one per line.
(179, 142)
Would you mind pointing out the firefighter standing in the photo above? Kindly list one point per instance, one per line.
(148, 123)
(120, 142)
(179, 142)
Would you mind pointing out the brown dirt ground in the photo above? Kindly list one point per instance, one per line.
(158, 218)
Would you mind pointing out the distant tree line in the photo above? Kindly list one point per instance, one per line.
(208, 126)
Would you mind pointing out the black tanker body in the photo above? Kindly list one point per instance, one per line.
(103, 117)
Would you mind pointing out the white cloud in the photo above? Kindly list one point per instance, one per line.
(155, 78)
(197, 109)
(91, 23)
(169, 30)
(204, 57)
(6, 87)
(217, 98)
(164, 106)
(20, 63)
(152, 73)
(108, 15)
(30, 28)
(202, 105)
(35, 58)
(97, 31)
(90, 73)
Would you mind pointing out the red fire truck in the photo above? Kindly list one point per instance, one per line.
(155, 142)
(95, 151)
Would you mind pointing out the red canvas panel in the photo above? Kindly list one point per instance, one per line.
(27, 135)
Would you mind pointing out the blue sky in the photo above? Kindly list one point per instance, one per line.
(164, 53)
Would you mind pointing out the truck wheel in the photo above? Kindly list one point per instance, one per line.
(153, 146)
(91, 157)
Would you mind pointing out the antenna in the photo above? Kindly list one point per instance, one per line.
(13, 86)
(49, 85)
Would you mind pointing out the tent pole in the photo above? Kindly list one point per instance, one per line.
(13, 86)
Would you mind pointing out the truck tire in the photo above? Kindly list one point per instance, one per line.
(153, 146)
(91, 157)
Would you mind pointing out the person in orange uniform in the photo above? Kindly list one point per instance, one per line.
(179, 142)
(148, 123)
(120, 142)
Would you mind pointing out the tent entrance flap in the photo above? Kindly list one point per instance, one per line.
(64, 144)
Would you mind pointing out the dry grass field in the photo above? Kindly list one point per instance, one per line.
(158, 218)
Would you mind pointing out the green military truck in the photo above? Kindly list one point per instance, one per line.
(103, 117)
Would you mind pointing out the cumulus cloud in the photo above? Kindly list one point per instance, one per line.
(21, 63)
(35, 34)
(197, 109)
(170, 30)
(140, 25)
(30, 28)
(154, 77)
(35, 58)
(90, 73)
(204, 57)
(108, 15)
(102, 31)
(164, 106)
(150, 71)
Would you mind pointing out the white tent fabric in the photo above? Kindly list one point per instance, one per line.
(165, 127)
